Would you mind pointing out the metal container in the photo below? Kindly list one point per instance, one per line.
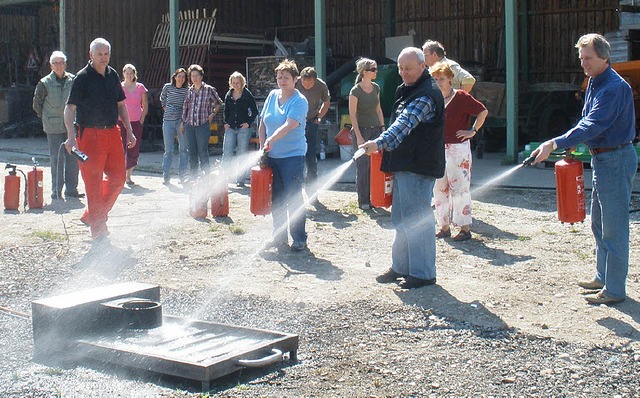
(134, 313)
(122, 325)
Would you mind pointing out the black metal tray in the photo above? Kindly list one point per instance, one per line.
(195, 350)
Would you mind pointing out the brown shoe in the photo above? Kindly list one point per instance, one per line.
(591, 285)
(390, 276)
(443, 234)
(603, 298)
(462, 235)
(412, 283)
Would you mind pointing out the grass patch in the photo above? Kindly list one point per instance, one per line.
(214, 228)
(53, 371)
(242, 387)
(236, 229)
(583, 255)
(352, 208)
(523, 238)
(48, 235)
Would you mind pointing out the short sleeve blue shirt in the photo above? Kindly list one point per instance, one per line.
(274, 115)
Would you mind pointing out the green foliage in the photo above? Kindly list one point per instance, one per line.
(236, 229)
(48, 235)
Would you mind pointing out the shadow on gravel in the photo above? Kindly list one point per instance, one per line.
(136, 190)
(495, 257)
(309, 264)
(382, 216)
(443, 304)
(64, 206)
(107, 260)
(621, 328)
(338, 219)
(491, 231)
(522, 198)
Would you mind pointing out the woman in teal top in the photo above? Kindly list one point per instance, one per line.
(367, 122)
(281, 133)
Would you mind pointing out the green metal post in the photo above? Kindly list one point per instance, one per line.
(524, 40)
(511, 41)
(320, 40)
(174, 36)
(62, 28)
(390, 18)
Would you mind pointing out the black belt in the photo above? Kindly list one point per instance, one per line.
(595, 151)
(100, 127)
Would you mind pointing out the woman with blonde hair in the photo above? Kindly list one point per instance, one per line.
(451, 193)
(240, 111)
(137, 103)
(282, 136)
(367, 122)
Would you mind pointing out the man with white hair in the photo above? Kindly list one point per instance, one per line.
(95, 103)
(49, 100)
(413, 150)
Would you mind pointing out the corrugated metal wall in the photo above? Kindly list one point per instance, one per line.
(128, 25)
(472, 31)
(22, 29)
(554, 28)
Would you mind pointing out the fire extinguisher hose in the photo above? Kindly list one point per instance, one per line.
(25, 188)
(16, 314)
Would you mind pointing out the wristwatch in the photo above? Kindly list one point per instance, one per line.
(473, 128)
(554, 145)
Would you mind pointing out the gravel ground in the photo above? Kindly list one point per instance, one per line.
(504, 320)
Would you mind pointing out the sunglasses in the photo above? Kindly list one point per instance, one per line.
(372, 70)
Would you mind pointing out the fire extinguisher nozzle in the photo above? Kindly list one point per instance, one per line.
(358, 153)
(528, 161)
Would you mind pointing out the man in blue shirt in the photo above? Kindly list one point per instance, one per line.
(414, 152)
(607, 127)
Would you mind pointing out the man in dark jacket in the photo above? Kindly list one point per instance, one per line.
(49, 100)
(413, 148)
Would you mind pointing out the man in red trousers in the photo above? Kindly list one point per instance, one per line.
(90, 116)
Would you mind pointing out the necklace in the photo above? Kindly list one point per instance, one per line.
(448, 98)
(450, 94)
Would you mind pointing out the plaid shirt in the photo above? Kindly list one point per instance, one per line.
(198, 105)
(420, 109)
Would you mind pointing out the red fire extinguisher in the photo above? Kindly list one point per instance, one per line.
(261, 190)
(12, 188)
(570, 190)
(35, 194)
(381, 187)
(219, 195)
(198, 199)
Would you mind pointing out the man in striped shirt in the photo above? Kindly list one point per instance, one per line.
(413, 147)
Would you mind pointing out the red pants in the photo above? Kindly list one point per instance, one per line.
(103, 174)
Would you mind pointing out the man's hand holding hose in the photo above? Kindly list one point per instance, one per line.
(542, 153)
